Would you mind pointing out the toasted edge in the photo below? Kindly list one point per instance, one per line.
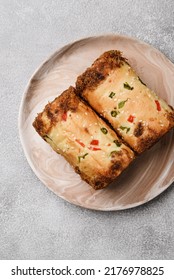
(53, 111)
(99, 70)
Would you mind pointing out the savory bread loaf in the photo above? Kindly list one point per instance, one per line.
(114, 90)
(75, 131)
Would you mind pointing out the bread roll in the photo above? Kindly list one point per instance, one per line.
(114, 90)
(75, 131)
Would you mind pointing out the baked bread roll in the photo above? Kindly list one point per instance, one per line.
(114, 90)
(75, 131)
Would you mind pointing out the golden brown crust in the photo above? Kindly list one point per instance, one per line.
(170, 117)
(119, 162)
(138, 131)
(99, 70)
(145, 142)
(54, 111)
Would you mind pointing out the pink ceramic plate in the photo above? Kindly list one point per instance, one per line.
(149, 175)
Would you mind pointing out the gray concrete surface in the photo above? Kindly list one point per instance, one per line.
(34, 223)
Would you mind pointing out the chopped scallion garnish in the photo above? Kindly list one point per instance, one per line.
(82, 157)
(114, 114)
(122, 103)
(127, 86)
(125, 128)
(118, 143)
(113, 152)
(104, 130)
(111, 95)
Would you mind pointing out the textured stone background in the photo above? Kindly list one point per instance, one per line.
(34, 223)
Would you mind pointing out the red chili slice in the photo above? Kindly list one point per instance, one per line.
(131, 118)
(94, 142)
(79, 142)
(158, 106)
(64, 116)
(94, 148)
